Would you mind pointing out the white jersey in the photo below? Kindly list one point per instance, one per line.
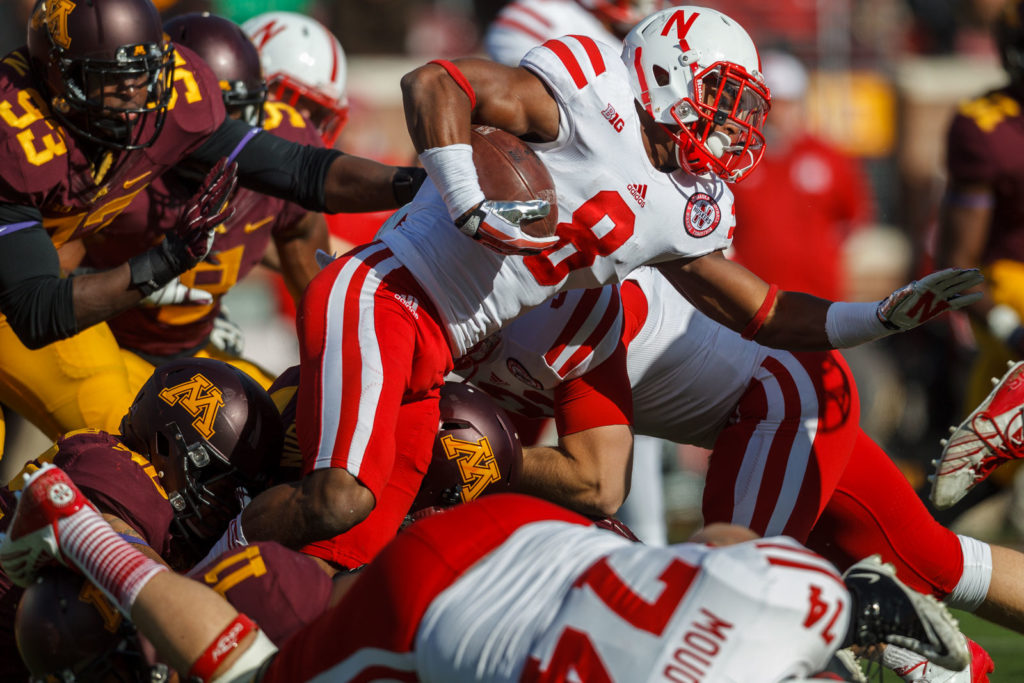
(561, 601)
(687, 372)
(616, 212)
(524, 24)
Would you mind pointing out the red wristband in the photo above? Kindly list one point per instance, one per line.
(221, 647)
(754, 326)
(459, 79)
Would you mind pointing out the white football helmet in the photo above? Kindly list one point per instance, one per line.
(305, 67)
(698, 74)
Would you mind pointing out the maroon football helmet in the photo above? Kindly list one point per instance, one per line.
(80, 50)
(476, 452)
(232, 56)
(214, 434)
(68, 631)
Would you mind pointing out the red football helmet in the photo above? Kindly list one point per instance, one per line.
(214, 435)
(476, 452)
(67, 630)
(105, 66)
(232, 56)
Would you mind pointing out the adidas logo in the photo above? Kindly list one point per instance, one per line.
(409, 302)
(639, 193)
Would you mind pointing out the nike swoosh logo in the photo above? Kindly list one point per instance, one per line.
(250, 227)
(129, 183)
(868, 576)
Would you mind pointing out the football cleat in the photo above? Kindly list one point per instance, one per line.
(887, 611)
(990, 436)
(928, 672)
(31, 541)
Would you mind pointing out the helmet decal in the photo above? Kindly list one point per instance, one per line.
(200, 398)
(57, 12)
(477, 464)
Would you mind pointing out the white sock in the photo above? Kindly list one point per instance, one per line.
(115, 566)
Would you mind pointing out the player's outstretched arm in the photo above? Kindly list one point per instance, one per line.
(737, 298)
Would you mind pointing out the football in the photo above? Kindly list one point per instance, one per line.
(509, 170)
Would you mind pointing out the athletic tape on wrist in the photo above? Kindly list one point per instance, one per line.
(849, 324)
(452, 170)
(223, 645)
(459, 78)
(754, 326)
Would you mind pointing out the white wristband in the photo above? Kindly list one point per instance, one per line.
(1002, 322)
(849, 324)
(231, 538)
(452, 170)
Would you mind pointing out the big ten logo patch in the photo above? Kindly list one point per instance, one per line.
(478, 468)
(702, 215)
(200, 399)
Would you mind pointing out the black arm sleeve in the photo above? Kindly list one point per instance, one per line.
(269, 164)
(35, 298)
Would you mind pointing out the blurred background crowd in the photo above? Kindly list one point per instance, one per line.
(846, 204)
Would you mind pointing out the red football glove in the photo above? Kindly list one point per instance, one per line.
(206, 210)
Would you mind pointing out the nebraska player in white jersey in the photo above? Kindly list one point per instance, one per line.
(523, 24)
(640, 150)
(505, 588)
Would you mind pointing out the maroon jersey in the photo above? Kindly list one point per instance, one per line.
(280, 589)
(986, 145)
(45, 167)
(118, 481)
(237, 248)
(284, 391)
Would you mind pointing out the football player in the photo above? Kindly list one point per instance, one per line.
(982, 212)
(523, 24)
(788, 454)
(95, 107)
(552, 597)
(200, 437)
(152, 333)
(380, 326)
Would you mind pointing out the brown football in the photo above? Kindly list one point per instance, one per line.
(509, 170)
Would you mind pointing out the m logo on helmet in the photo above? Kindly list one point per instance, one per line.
(478, 467)
(200, 398)
(91, 595)
(57, 12)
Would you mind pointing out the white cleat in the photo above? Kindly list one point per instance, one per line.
(991, 435)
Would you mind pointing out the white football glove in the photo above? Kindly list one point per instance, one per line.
(226, 336)
(497, 225)
(923, 299)
(174, 292)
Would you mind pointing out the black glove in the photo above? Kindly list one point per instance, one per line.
(191, 239)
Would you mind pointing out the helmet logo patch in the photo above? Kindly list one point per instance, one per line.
(91, 595)
(702, 215)
(200, 398)
(57, 12)
(682, 24)
(520, 372)
(478, 467)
